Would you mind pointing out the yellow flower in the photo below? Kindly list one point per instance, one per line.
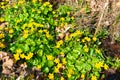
(70, 71)
(62, 78)
(69, 75)
(106, 67)
(2, 35)
(22, 56)
(86, 49)
(64, 61)
(1, 19)
(47, 3)
(72, 18)
(62, 18)
(20, 1)
(56, 61)
(62, 54)
(59, 65)
(51, 76)
(56, 69)
(2, 45)
(19, 51)
(50, 6)
(98, 51)
(38, 67)
(40, 31)
(87, 39)
(59, 43)
(99, 65)
(66, 38)
(83, 40)
(68, 13)
(18, 21)
(34, 1)
(27, 57)
(78, 32)
(94, 78)
(82, 76)
(94, 38)
(16, 56)
(25, 31)
(30, 54)
(6, 29)
(50, 57)
(32, 29)
(33, 10)
(25, 35)
(11, 31)
(53, 12)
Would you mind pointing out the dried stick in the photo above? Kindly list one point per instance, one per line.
(101, 17)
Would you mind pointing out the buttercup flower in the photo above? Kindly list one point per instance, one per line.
(87, 39)
(82, 76)
(86, 49)
(59, 43)
(22, 56)
(106, 67)
(11, 31)
(56, 61)
(50, 57)
(62, 78)
(99, 65)
(19, 51)
(98, 51)
(70, 71)
(64, 61)
(51, 76)
(59, 65)
(2, 35)
(68, 75)
(62, 19)
(94, 38)
(2, 45)
(94, 78)
(56, 69)
(16, 56)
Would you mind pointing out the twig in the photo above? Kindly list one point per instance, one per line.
(101, 17)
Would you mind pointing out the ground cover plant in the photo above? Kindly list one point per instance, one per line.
(48, 40)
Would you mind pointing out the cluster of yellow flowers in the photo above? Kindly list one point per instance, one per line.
(100, 64)
(21, 55)
(76, 33)
(47, 4)
(56, 68)
(59, 43)
(88, 39)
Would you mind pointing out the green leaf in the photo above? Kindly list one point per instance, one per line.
(26, 48)
(50, 63)
(46, 70)
(43, 61)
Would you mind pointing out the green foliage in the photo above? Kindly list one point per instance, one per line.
(31, 37)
